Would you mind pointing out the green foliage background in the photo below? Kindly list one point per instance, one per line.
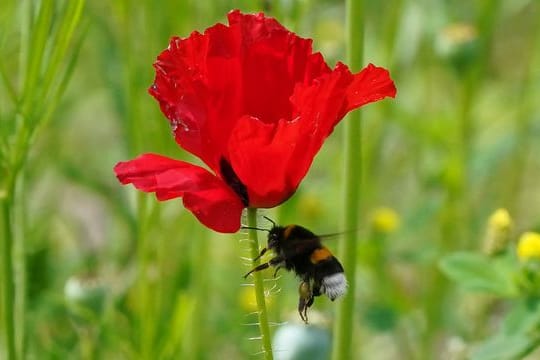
(104, 272)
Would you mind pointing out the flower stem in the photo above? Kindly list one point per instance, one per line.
(259, 286)
(343, 327)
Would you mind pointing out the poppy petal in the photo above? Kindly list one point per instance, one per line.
(371, 84)
(206, 82)
(268, 148)
(205, 195)
(320, 106)
(282, 152)
(273, 61)
(216, 209)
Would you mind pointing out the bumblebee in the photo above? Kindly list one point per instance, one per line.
(299, 250)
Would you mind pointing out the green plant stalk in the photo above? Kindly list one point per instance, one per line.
(19, 263)
(144, 254)
(264, 328)
(458, 208)
(12, 311)
(202, 280)
(523, 130)
(39, 33)
(146, 313)
(8, 287)
(461, 208)
(344, 325)
(29, 116)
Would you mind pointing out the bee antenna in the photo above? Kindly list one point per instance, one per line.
(272, 221)
(253, 228)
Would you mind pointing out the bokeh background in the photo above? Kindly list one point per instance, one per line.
(104, 272)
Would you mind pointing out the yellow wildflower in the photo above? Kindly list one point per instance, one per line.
(385, 220)
(529, 246)
(498, 232)
(500, 220)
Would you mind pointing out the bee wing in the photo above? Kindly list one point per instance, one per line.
(334, 235)
(306, 244)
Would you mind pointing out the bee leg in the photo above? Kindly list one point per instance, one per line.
(305, 315)
(277, 269)
(263, 251)
(302, 310)
(258, 268)
(273, 262)
(316, 289)
(305, 300)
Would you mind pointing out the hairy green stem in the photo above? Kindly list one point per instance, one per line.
(344, 325)
(264, 328)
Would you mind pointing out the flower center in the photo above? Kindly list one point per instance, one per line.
(233, 181)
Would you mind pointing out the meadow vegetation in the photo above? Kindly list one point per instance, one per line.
(94, 270)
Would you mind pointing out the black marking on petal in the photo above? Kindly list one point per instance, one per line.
(233, 181)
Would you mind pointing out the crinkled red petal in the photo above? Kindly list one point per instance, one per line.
(371, 84)
(205, 195)
(207, 82)
(320, 106)
(262, 156)
(272, 159)
(282, 153)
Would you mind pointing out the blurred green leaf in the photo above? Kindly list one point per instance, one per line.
(380, 317)
(181, 317)
(523, 318)
(516, 336)
(478, 272)
(502, 347)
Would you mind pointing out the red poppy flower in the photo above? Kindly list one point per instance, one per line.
(255, 104)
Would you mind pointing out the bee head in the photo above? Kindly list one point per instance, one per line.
(274, 235)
